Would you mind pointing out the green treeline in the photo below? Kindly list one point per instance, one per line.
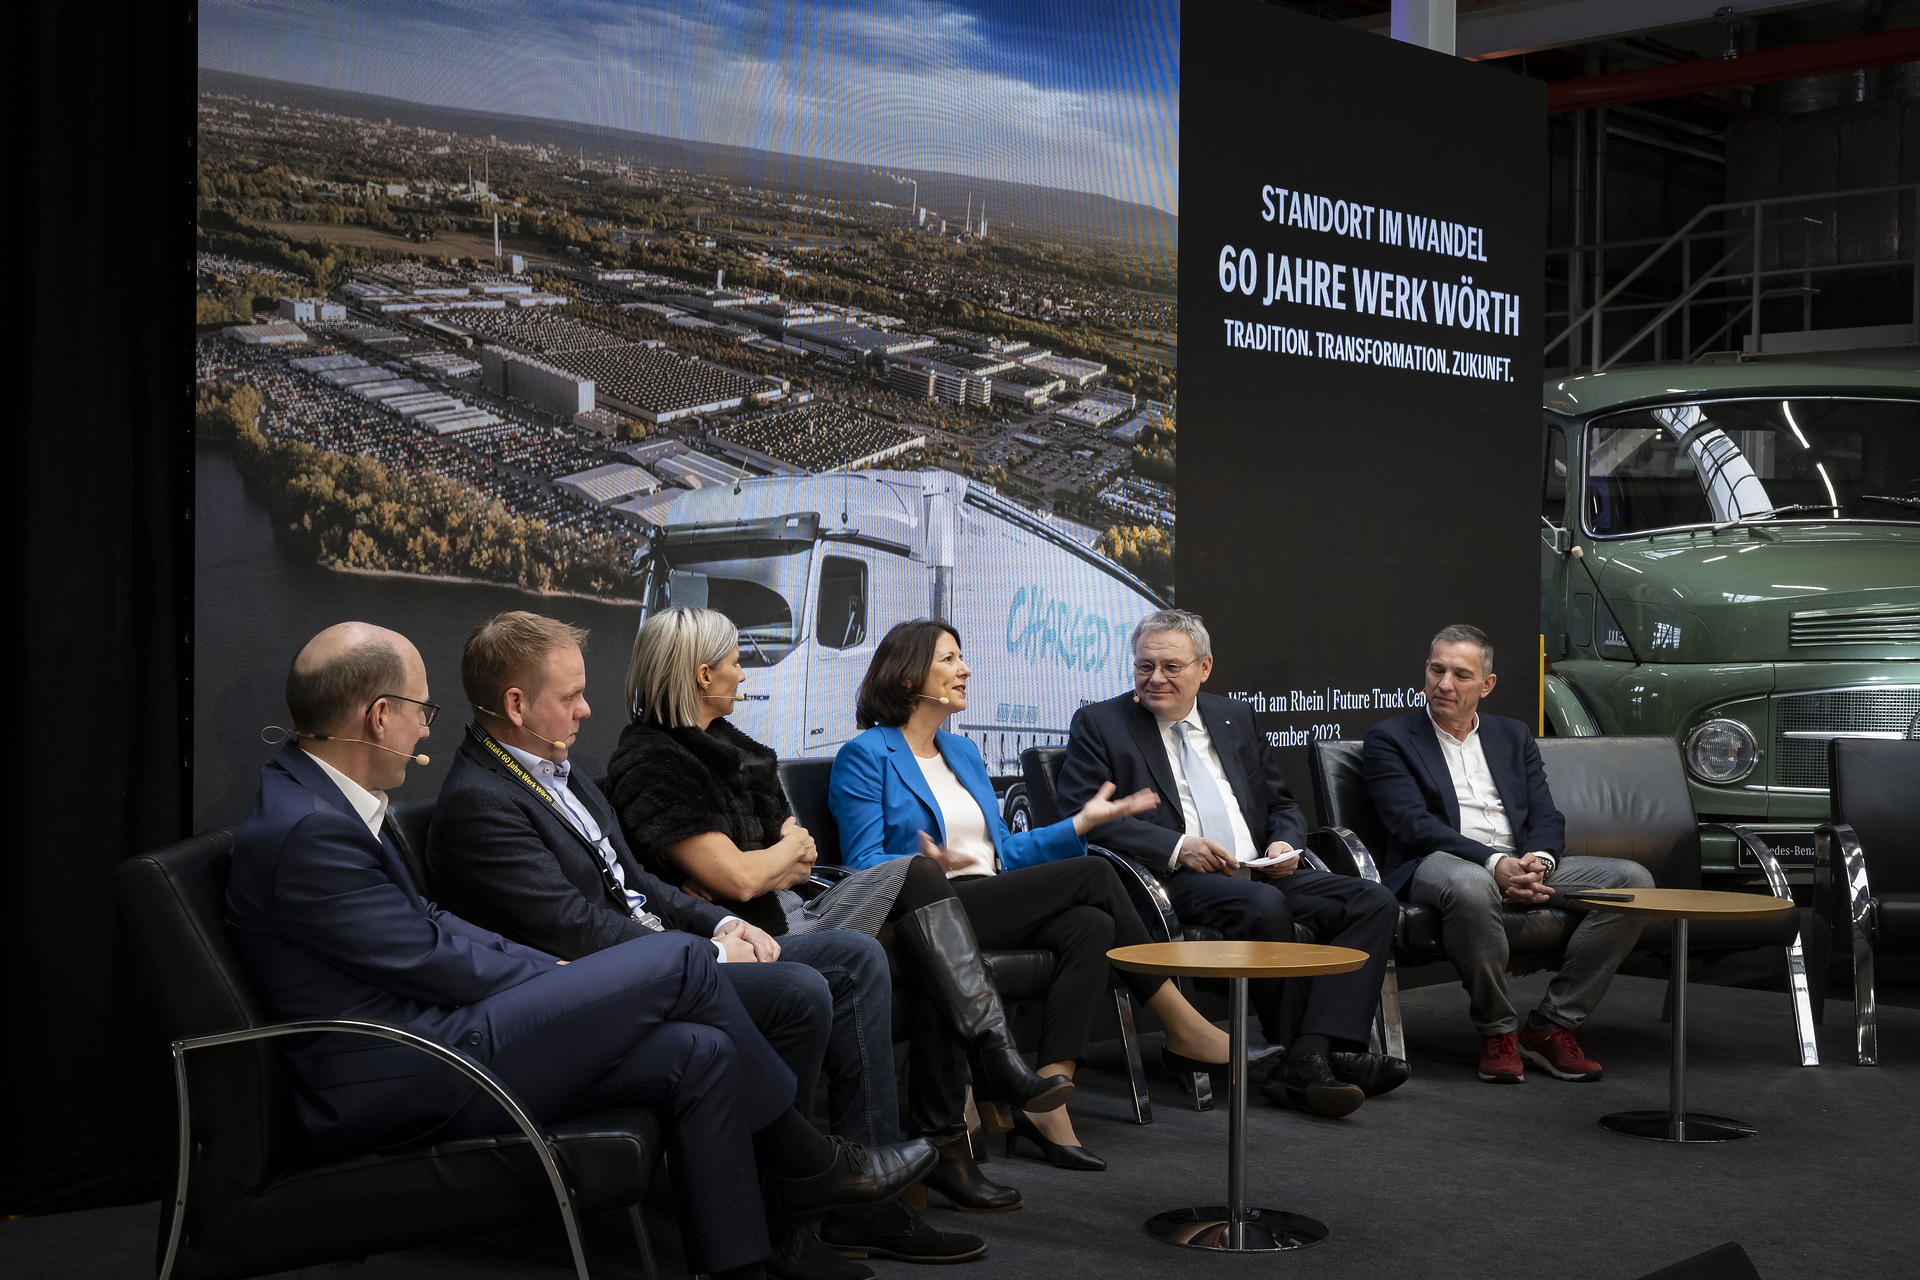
(1145, 550)
(354, 513)
(1154, 452)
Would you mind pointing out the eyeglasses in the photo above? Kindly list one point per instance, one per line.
(1171, 670)
(428, 710)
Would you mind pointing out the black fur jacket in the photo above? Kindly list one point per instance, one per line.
(670, 785)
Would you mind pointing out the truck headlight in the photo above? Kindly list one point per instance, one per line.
(1721, 751)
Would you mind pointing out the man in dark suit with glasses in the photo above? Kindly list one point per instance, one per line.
(1223, 804)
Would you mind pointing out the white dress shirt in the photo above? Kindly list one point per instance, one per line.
(370, 805)
(960, 814)
(1242, 845)
(554, 778)
(1483, 816)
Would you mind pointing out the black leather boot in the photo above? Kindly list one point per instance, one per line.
(959, 1179)
(940, 945)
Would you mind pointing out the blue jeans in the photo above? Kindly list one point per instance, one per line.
(837, 1010)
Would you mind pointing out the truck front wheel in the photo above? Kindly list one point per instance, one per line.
(1017, 809)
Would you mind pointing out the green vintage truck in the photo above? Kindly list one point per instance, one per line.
(1731, 554)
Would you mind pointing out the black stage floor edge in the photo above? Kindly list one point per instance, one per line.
(1447, 1177)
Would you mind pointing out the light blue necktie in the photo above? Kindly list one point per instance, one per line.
(1215, 824)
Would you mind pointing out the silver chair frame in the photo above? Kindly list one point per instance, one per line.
(1840, 865)
(543, 1146)
(1796, 953)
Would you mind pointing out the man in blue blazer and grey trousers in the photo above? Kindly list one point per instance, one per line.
(1473, 832)
(330, 925)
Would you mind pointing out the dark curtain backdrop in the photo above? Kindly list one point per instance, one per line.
(99, 497)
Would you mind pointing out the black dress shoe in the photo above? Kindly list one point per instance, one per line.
(799, 1255)
(1375, 1073)
(892, 1230)
(857, 1175)
(959, 1179)
(1183, 1069)
(1307, 1083)
(1058, 1154)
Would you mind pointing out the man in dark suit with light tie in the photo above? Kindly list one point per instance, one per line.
(523, 843)
(330, 924)
(1473, 832)
(1223, 804)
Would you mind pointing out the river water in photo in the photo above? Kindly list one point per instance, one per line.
(257, 599)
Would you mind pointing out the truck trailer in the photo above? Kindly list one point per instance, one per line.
(813, 570)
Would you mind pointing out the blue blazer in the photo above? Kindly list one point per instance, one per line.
(330, 925)
(1413, 794)
(882, 802)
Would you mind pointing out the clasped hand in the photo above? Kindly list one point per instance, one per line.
(794, 837)
(1522, 880)
(744, 943)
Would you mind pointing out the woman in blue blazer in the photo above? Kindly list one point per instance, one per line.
(906, 788)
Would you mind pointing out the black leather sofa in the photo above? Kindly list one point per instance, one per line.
(1623, 797)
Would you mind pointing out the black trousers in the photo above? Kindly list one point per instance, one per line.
(1074, 908)
(1344, 911)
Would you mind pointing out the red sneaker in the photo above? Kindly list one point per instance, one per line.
(1557, 1051)
(1500, 1060)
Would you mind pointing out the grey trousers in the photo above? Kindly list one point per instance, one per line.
(1475, 935)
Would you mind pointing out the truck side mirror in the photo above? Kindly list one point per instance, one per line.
(1561, 540)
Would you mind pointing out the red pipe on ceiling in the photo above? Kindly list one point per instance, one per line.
(1820, 57)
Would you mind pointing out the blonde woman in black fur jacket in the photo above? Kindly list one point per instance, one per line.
(702, 807)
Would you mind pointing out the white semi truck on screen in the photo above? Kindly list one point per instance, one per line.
(813, 570)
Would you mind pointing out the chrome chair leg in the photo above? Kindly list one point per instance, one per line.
(1859, 909)
(1802, 1005)
(642, 1242)
(1393, 1035)
(1136, 1070)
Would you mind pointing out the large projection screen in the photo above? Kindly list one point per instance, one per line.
(826, 314)
(1360, 421)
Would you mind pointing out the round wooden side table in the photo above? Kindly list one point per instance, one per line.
(1233, 1227)
(1676, 1124)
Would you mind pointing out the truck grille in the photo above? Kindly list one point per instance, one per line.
(1897, 624)
(1802, 762)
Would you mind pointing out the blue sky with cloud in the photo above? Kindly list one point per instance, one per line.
(1082, 95)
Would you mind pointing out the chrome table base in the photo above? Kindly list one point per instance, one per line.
(1676, 1124)
(1661, 1127)
(1211, 1228)
(1234, 1228)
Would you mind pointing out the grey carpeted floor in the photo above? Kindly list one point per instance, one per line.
(1447, 1177)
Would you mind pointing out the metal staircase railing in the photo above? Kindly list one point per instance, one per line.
(1734, 289)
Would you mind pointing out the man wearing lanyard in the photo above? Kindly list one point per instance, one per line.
(524, 843)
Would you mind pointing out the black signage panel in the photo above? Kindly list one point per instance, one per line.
(1359, 425)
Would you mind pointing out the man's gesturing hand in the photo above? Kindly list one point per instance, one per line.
(1522, 879)
(1197, 853)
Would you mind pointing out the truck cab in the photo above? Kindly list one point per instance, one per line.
(1731, 555)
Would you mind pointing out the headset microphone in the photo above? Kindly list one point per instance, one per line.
(420, 758)
(945, 702)
(554, 743)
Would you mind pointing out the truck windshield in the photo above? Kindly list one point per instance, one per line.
(1726, 460)
(760, 584)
